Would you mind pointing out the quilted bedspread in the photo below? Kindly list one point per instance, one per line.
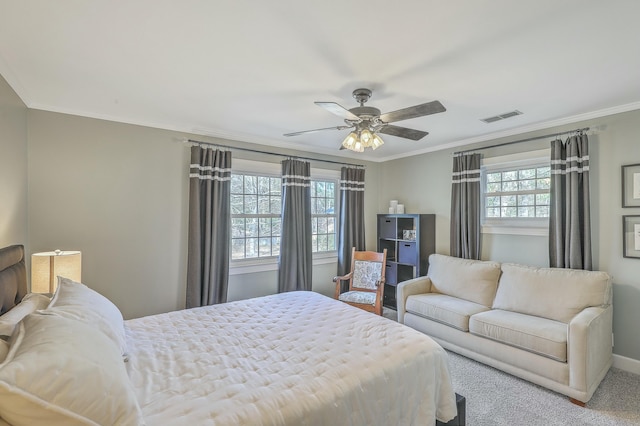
(297, 358)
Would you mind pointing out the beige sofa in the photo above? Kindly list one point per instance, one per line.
(550, 326)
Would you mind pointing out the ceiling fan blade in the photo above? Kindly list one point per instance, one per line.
(403, 132)
(413, 112)
(338, 110)
(317, 130)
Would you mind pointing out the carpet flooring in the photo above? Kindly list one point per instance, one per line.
(494, 398)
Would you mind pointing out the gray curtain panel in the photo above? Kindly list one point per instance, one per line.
(351, 226)
(465, 206)
(209, 226)
(570, 220)
(295, 261)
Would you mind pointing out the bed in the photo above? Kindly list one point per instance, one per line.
(296, 358)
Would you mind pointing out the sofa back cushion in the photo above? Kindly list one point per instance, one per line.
(472, 280)
(553, 293)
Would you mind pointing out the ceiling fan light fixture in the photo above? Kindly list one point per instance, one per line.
(367, 121)
(376, 142)
(366, 137)
(357, 141)
(350, 141)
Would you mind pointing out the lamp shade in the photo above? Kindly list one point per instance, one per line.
(47, 266)
(350, 140)
(376, 142)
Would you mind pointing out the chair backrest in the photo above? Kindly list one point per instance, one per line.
(368, 269)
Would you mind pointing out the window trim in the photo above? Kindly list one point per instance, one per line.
(512, 226)
(251, 266)
(264, 264)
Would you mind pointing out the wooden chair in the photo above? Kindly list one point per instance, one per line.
(366, 281)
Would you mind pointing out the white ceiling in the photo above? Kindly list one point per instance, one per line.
(250, 70)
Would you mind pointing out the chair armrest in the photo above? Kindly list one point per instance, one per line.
(338, 280)
(589, 347)
(408, 288)
(342, 277)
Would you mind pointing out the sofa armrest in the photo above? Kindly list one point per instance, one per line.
(589, 346)
(407, 288)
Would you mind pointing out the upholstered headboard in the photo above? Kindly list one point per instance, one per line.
(13, 277)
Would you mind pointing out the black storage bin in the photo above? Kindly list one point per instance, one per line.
(388, 228)
(389, 297)
(391, 274)
(407, 252)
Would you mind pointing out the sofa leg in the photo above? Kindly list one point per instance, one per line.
(575, 401)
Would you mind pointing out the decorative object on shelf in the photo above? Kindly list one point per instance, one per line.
(631, 236)
(47, 266)
(409, 234)
(393, 206)
(631, 185)
(400, 209)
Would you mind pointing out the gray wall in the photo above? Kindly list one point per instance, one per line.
(423, 183)
(118, 193)
(13, 167)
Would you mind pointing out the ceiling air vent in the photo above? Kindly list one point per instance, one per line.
(501, 116)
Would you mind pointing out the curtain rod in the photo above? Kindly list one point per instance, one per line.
(584, 129)
(271, 153)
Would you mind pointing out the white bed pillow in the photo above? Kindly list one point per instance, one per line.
(29, 303)
(77, 301)
(59, 371)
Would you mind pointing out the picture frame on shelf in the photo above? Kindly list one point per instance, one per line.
(409, 234)
(631, 236)
(631, 185)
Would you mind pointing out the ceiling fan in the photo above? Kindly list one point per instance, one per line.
(366, 122)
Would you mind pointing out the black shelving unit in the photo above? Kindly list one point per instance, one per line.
(409, 240)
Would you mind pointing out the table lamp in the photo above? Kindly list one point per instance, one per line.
(47, 266)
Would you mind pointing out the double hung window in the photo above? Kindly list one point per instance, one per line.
(256, 207)
(256, 202)
(323, 215)
(515, 193)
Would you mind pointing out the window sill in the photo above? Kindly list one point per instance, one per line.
(515, 230)
(241, 267)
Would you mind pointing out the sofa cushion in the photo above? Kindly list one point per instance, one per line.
(553, 293)
(472, 280)
(538, 335)
(445, 309)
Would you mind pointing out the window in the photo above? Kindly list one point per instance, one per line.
(256, 207)
(515, 193)
(323, 216)
(256, 203)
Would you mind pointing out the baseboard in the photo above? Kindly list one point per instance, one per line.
(628, 364)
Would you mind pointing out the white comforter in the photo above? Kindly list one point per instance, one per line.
(296, 358)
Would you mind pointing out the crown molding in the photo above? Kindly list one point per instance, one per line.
(244, 138)
(520, 130)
